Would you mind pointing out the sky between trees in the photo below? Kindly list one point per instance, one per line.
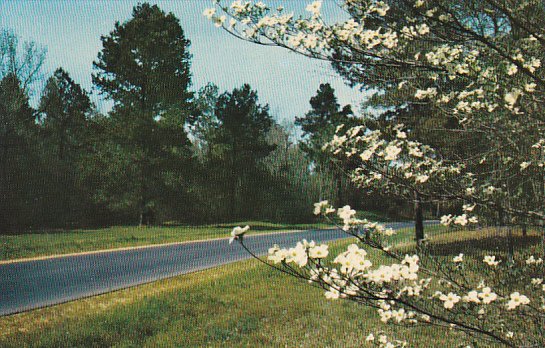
(71, 32)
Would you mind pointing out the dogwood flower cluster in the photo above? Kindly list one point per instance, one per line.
(491, 260)
(516, 299)
(323, 207)
(417, 162)
(411, 290)
(382, 340)
(238, 233)
(311, 35)
(388, 162)
(299, 254)
(490, 87)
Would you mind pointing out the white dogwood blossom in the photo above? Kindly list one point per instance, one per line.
(238, 232)
(472, 296)
(449, 300)
(323, 207)
(473, 77)
(491, 260)
(516, 299)
(314, 8)
(458, 259)
(318, 252)
(487, 295)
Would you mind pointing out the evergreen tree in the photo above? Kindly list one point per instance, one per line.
(17, 131)
(144, 68)
(292, 187)
(203, 120)
(319, 125)
(239, 145)
(64, 108)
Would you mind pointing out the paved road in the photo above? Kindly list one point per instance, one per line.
(34, 284)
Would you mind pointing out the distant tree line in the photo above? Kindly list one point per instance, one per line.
(163, 153)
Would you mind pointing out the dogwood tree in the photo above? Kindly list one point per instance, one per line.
(476, 62)
(476, 66)
(486, 299)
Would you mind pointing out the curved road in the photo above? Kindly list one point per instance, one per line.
(33, 284)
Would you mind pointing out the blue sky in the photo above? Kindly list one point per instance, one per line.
(71, 30)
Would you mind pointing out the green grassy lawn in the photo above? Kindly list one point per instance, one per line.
(73, 241)
(240, 304)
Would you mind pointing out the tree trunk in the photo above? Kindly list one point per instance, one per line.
(510, 245)
(500, 217)
(142, 199)
(61, 146)
(4, 225)
(340, 197)
(141, 206)
(141, 218)
(418, 219)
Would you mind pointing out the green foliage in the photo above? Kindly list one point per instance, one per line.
(65, 107)
(319, 126)
(16, 155)
(203, 121)
(320, 122)
(16, 115)
(237, 143)
(144, 68)
(190, 311)
(244, 123)
(161, 154)
(144, 62)
(292, 187)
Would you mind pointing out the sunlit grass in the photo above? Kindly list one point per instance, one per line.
(240, 304)
(235, 305)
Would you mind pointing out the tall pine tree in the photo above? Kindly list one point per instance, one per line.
(64, 109)
(144, 68)
(239, 145)
(319, 125)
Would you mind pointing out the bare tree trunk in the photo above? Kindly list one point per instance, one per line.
(141, 206)
(142, 201)
(500, 217)
(339, 180)
(510, 245)
(418, 219)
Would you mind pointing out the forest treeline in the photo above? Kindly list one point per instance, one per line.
(163, 153)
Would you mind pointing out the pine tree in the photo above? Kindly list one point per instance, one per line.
(144, 68)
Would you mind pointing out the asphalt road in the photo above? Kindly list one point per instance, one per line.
(40, 283)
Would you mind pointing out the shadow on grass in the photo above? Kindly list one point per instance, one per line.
(480, 245)
(256, 226)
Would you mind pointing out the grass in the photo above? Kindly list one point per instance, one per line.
(377, 216)
(73, 241)
(240, 304)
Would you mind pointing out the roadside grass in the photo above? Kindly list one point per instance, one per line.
(240, 304)
(80, 240)
(376, 216)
